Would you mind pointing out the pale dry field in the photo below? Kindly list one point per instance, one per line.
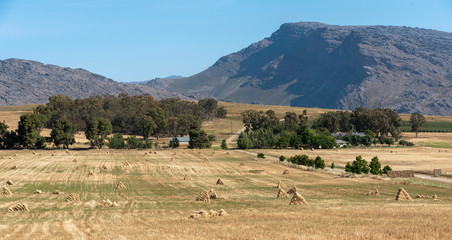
(157, 201)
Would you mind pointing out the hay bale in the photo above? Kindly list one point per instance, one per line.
(297, 199)
(282, 194)
(212, 194)
(14, 167)
(281, 185)
(403, 195)
(373, 192)
(219, 182)
(206, 159)
(120, 185)
(285, 172)
(187, 178)
(52, 154)
(19, 207)
(292, 190)
(57, 192)
(242, 164)
(77, 168)
(9, 182)
(34, 153)
(104, 167)
(73, 198)
(108, 203)
(222, 213)
(126, 163)
(90, 173)
(6, 191)
(203, 197)
(37, 191)
(74, 160)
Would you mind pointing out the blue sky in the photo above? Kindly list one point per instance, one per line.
(136, 40)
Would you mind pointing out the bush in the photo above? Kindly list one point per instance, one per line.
(282, 158)
(133, 142)
(406, 143)
(212, 137)
(116, 142)
(332, 165)
(174, 142)
(387, 169)
(358, 166)
(147, 144)
(261, 155)
(319, 163)
(224, 145)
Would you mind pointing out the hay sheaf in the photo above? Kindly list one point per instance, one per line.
(186, 178)
(432, 197)
(90, 173)
(108, 203)
(297, 199)
(208, 214)
(212, 194)
(373, 192)
(292, 190)
(281, 185)
(73, 198)
(74, 160)
(14, 167)
(37, 191)
(120, 185)
(9, 182)
(285, 172)
(19, 207)
(242, 164)
(6, 191)
(403, 195)
(282, 194)
(203, 197)
(57, 192)
(104, 167)
(219, 182)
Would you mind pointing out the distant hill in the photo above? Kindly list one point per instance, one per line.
(343, 67)
(29, 82)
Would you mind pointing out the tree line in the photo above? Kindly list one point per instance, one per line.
(101, 116)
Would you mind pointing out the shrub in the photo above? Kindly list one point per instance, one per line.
(319, 163)
(117, 141)
(261, 155)
(358, 166)
(332, 165)
(212, 137)
(174, 142)
(147, 144)
(224, 145)
(133, 142)
(387, 169)
(375, 166)
(282, 158)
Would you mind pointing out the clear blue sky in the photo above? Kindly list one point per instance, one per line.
(135, 40)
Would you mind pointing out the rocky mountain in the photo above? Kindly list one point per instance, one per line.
(344, 67)
(29, 82)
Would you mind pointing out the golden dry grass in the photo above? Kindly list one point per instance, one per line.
(157, 202)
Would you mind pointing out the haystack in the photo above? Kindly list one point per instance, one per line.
(14, 167)
(19, 207)
(242, 164)
(187, 177)
(104, 167)
(172, 159)
(74, 160)
(108, 203)
(203, 197)
(146, 153)
(53, 154)
(292, 190)
(281, 185)
(297, 199)
(90, 173)
(403, 195)
(57, 192)
(67, 151)
(16, 155)
(73, 198)
(222, 213)
(285, 172)
(207, 160)
(155, 152)
(373, 192)
(126, 163)
(6, 191)
(120, 185)
(282, 194)
(212, 194)
(34, 153)
(77, 168)
(9, 182)
(37, 191)
(206, 214)
(219, 182)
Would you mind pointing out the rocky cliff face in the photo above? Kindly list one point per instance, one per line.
(29, 82)
(344, 67)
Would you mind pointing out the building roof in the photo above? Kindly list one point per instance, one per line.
(183, 139)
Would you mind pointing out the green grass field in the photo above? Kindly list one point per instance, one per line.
(429, 127)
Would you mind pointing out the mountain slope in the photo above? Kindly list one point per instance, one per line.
(318, 65)
(28, 82)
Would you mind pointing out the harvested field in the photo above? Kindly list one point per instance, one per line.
(157, 196)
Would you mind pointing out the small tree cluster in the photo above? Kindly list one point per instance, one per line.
(261, 155)
(360, 166)
(306, 161)
(406, 143)
(118, 142)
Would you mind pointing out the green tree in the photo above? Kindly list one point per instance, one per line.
(416, 120)
(174, 142)
(244, 142)
(291, 121)
(332, 165)
(389, 141)
(210, 106)
(282, 158)
(3, 134)
(387, 169)
(30, 126)
(319, 163)
(375, 166)
(63, 133)
(221, 112)
(358, 166)
(147, 126)
(198, 139)
(97, 131)
(224, 145)
(158, 116)
(133, 142)
(117, 141)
